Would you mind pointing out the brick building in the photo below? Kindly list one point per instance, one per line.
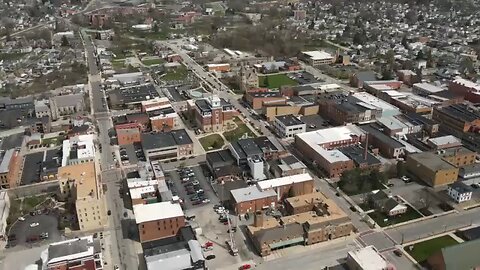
(457, 118)
(82, 253)
(288, 186)
(128, 136)
(256, 98)
(158, 220)
(432, 169)
(252, 199)
(213, 114)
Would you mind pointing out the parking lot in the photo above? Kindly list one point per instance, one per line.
(130, 154)
(28, 232)
(31, 173)
(192, 187)
(12, 141)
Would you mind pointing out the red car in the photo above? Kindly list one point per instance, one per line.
(208, 244)
(245, 266)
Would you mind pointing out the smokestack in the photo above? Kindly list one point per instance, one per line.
(366, 148)
(258, 220)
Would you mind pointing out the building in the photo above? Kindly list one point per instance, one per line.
(465, 88)
(132, 95)
(4, 213)
(288, 186)
(287, 166)
(264, 147)
(128, 135)
(10, 168)
(218, 67)
(41, 108)
(367, 258)
(387, 146)
(458, 118)
(321, 147)
(78, 149)
(399, 125)
(252, 199)
(158, 220)
(303, 203)
(79, 183)
(460, 256)
(256, 98)
(213, 114)
(317, 58)
(357, 79)
(66, 105)
(83, 253)
(431, 168)
(155, 103)
(325, 222)
(361, 157)
(167, 145)
(163, 119)
(342, 109)
(443, 142)
(288, 125)
(221, 164)
(178, 259)
(408, 77)
(459, 192)
(386, 204)
(458, 156)
(367, 100)
(426, 89)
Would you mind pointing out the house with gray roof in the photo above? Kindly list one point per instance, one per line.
(463, 256)
(66, 105)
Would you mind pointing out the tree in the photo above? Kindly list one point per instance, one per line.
(387, 73)
(359, 38)
(405, 41)
(155, 27)
(466, 66)
(420, 55)
(401, 170)
(65, 42)
(311, 26)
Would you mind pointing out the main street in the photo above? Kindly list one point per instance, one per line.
(121, 249)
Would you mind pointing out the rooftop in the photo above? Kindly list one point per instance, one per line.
(84, 176)
(67, 100)
(431, 161)
(318, 55)
(289, 120)
(220, 158)
(173, 260)
(165, 139)
(387, 140)
(70, 250)
(156, 211)
(358, 155)
(78, 147)
(5, 164)
(283, 181)
(368, 258)
(461, 112)
(251, 193)
(307, 199)
(445, 140)
(428, 87)
(373, 102)
(460, 187)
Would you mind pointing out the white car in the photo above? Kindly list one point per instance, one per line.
(21, 218)
(34, 224)
(206, 201)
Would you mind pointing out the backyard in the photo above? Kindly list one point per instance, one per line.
(421, 251)
(211, 142)
(19, 207)
(238, 133)
(384, 220)
(54, 140)
(359, 181)
(153, 61)
(176, 74)
(275, 81)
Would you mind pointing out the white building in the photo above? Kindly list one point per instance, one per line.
(425, 89)
(287, 126)
(4, 212)
(459, 192)
(317, 58)
(256, 168)
(78, 149)
(367, 258)
(41, 108)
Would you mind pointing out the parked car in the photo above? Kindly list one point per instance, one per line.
(406, 179)
(34, 224)
(245, 266)
(210, 257)
(196, 202)
(398, 253)
(205, 201)
(21, 218)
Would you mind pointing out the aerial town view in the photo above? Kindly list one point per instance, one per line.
(239, 134)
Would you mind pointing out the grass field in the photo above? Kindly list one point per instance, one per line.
(177, 74)
(118, 64)
(238, 133)
(380, 217)
(211, 142)
(421, 251)
(275, 81)
(153, 62)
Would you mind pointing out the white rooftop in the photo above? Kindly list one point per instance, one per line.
(318, 55)
(467, 83)
(376, 102)
(428, 87)
(70, 249)
(136, 193)
(173, 260)
(283, 181)
(155, 100)
(139, 182)
(156, 211)
(368, 259)
(85, 148)
(449, 139)
(251, 193)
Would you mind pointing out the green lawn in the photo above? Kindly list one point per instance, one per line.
(238, 133)
(176, 74)
(11, 56)
(30, 202)
(118, 64)
(275, 81)
(379, 217)
(421, 251)
(153, 62)
(55, 140)
(212, 142)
